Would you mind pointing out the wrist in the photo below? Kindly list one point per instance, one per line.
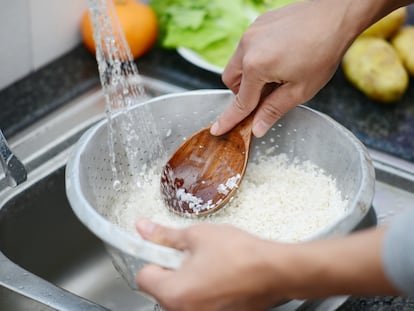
(352, 17)
(359, 15)
(338, 266)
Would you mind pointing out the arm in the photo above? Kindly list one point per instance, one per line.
(228, 269)
(340, 266)
(398, 252)
(298, 47)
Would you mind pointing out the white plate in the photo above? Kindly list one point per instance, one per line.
(197, 60)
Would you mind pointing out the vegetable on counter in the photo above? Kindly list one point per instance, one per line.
(388, 25)
(403, 43)
(378, 63)
(373, 66)
(211, 28)
(138, 21)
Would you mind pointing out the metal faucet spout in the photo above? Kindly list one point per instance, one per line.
(13, 168)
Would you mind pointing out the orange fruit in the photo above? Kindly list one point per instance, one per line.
(138, 22)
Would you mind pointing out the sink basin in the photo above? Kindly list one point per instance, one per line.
(40, 233)
(50, 261)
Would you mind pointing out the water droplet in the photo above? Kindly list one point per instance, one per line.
(128, 101)
(116, 185)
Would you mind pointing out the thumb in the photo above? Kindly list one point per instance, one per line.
(159, 234)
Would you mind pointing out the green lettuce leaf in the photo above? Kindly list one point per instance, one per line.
(211, 28)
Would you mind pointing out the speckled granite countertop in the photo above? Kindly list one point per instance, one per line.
(388, 128)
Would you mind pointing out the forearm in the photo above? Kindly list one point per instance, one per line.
(352, 17)
(398, 252)
(339, 266)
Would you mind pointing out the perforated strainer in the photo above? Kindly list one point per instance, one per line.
(302, 134)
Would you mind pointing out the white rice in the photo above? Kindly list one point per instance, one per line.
(276, 200)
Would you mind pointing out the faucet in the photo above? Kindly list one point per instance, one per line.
(13, 168)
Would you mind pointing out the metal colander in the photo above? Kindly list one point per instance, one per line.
(302, 134)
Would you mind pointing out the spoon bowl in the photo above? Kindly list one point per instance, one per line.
(205, 171)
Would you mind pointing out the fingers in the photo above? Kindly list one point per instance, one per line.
(243, 104)
(272, 108)
(274, 101)
(239, 77)
(156, 233)
(151, 277)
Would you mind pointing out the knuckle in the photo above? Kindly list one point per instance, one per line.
(231, 84)
(246, 38)
(273, 111)
(251, 63)
(238, 104)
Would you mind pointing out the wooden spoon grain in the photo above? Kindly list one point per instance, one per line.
(206, 170)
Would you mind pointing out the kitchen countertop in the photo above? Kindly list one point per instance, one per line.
(388, 128)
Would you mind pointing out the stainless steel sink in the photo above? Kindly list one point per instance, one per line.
(50, 261)
(40, 233)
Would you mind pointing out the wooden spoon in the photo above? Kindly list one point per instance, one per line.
(206, 170)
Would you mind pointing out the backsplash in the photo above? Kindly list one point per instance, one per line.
(35, 32)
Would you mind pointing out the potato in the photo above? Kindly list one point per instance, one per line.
(388, 25)
(373, 66)
(403, 43)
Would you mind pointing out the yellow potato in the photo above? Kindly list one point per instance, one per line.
(388, 25)
(373, 66)
(403, 43)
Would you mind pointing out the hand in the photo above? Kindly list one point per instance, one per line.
(298, 47)
(224, 269)
(228, 269)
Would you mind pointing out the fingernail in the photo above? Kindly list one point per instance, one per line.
(260, 128)
(145, 227)
(214, 128)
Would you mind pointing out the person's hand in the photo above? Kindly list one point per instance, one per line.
(224, 269)
(297, 47)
